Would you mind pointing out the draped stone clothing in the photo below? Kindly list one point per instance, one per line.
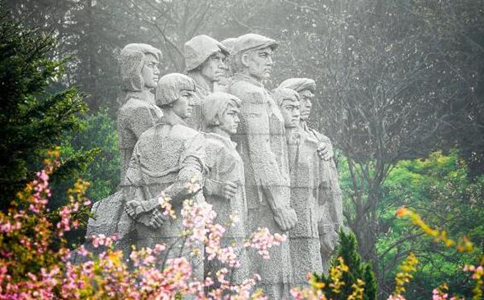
(137, 115)
(304, 237)
(225, 164)
(262, 146)
(166, 158)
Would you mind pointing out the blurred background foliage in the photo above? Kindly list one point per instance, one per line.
(400, 93)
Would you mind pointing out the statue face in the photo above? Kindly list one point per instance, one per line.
(290, 112)
(305, 100)
(150, 72)
(183, 107)
(229, 120)
(214, 67)
(259, 63)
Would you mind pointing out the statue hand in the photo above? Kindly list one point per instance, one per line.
(328, 241)
(142, 211)
(325, 151)
(285, 218)
(229, 190)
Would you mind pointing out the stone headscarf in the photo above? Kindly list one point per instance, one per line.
(131, 62)
(214, 105)
(299, 84)
(280, 94)
(199, 49)
(170, 86)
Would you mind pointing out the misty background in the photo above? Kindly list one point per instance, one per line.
(400, 92)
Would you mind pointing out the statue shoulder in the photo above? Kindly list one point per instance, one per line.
(247, 91)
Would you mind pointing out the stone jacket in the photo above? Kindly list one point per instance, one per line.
(137, 115)
(261, 140)
(166, 158)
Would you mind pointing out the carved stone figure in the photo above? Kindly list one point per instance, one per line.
(304, 237)
(165, 159)
(262, 146)
(139, 74)
(223, 83)
(225, 182)
(328, 191)
(205, 64)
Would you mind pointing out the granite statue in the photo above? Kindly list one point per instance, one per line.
(166, 159)
(262, 146)
(304, 237)
(139, 73)
(224, 186)
(205, 64)
(328, 191)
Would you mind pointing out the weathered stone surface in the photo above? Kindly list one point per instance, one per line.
(303, 238)
(165, 159)
(327, 191)
(139, 74)
(262, 146)
(225, 181)
(205, 63)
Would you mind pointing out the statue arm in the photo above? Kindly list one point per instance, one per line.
(263, 161)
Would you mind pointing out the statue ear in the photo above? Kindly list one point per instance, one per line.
(216, 120)
(244, 59)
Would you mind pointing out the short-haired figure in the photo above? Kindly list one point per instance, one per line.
(166, 158)
(304, 237)
(262, 145)
(225, 182)
(205, 64)
(328, 192)
(139, 74)
(138, 64)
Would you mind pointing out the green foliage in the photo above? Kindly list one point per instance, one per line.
(440, 189)
(356, 270)
(32, 120)
(98, 132)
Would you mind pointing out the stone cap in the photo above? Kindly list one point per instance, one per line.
(281, 93)
(299, 84)
(252, 41)
(229, 44)
(169, 88)
(199, 48)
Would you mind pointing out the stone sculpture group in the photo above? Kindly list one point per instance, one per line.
(250, 150)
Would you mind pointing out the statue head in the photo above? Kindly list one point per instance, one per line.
(288, 101)
(229, 44)
(175, 92)
(139, 67)
(220, 113)
(206, 56)
(305, 88)
(253, 55)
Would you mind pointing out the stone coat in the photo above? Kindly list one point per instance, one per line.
(138, 114)
(328, 194)
(225, 164)
(304, 237)
(262, 146)
(167, 155)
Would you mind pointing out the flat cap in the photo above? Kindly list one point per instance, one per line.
(252, 41)
(299, 84)
(199, 48)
